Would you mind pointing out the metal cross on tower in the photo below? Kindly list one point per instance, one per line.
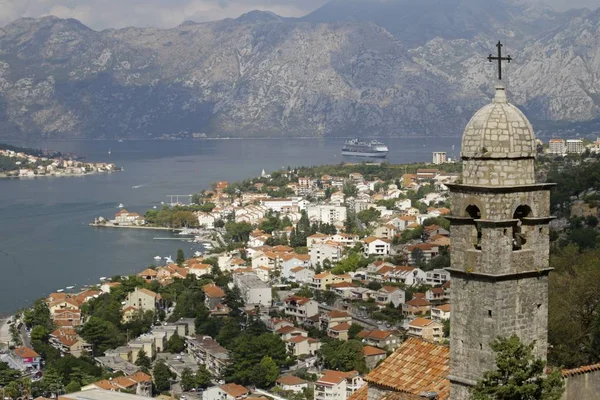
(500, 59)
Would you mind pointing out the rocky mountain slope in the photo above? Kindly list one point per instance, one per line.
(356, 73)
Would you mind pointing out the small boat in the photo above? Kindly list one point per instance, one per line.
(60, 290)
(169, 260)
(120, 140)
(109, 152)
(103, 278)
(157, 258)
(70, 287)
(121, 205)
(197, 254)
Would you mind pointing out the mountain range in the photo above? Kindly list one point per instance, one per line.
(351, 68)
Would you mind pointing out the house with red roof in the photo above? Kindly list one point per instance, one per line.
(291, 383)
(337, 385)
(28, 357)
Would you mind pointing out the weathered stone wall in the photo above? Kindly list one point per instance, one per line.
(502, 172)
(583, 386)
(500, 206)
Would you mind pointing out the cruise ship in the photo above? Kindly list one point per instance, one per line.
(358, 148)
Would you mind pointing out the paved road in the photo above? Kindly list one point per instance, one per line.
(4, 333)
(25, 337)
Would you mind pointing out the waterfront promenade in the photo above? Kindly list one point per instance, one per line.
(4, 333)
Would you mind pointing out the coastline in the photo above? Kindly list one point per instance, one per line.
(6, 176)
(150, 228)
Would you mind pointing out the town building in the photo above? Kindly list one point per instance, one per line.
(28, 357)
(382, 339)
(125, 218)
(302, 345)
(301, 308)
(441, 312)
(67, 341)
(253, 290)
(575, 146)
(337, 385)
(329, 251)
(326, 214)
(230, 391)
(373, 355)
(426, 329)
(138, 383)
(374, 246)
(143, 299)
(439, 157)
(291, 383)
(206, 351)
(213, 296)
(557, 146)
(437, 277)
(324, 280)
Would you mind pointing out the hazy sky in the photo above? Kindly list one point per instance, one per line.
(100, 14)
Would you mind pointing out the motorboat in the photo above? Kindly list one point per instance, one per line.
(158, 258)
(70, 287)
(103, 278)
(121, 205)
(60, 290)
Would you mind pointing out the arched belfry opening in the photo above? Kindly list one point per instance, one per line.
(519, 236)
(475, 213)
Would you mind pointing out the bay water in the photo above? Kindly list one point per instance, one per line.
(46, 243)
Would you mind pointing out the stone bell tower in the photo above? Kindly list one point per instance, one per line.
(500, 243)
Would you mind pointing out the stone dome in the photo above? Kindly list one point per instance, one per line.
(498, 130)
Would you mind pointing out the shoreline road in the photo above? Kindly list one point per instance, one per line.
(4, 333)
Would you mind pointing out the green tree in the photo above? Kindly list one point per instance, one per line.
(188, 379)
(368, 216)
(162, 376)
(102, 335)
(13, 390)
(7, 374)
(175, 344)
(180, 257)
(344, 356)
(143, 361)
(229, 331)
(38, 315)
(39, 333)
(52, 381)
(354, 330)
(519, 375)
(72, 387)
(203, 377)
(265, 373)
(247, 351)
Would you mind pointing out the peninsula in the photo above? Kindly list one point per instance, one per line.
(18, 162)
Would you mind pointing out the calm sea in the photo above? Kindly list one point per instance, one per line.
(46, 243)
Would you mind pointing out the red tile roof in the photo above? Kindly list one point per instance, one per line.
(373, 351)
(415, 367)
(291, 380)
(581, 370)
(26, 352)
(234, 390)
(333, 377)
(344, 326)
(213, 290)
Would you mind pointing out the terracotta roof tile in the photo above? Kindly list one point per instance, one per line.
(234, 390)
(26, 352)
(333, 377)
(415, 367)
(337, 314)
(290, 380)
(344, 326)
(373, 351)
(213, 290)
(420, 322)
(443, 307)
(581, 370)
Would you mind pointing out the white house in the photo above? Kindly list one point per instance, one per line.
(373, 246)
(230, 391)
(206, 220)
(327, 214)
(325, 251)
(291, 383)
(125, 217)
(441, 312)
(301, 275)
(253, 290)
(337, 385)
(291, 261)
(410, 276)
